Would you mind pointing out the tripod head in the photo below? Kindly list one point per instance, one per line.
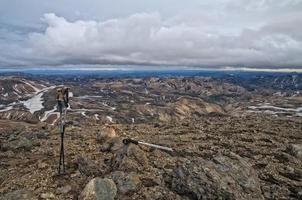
(129, 140)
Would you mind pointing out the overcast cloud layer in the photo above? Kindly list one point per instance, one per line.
(260, 33)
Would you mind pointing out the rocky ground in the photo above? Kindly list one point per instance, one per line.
(221, 150)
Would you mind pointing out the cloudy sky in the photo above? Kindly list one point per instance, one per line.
(207, 33)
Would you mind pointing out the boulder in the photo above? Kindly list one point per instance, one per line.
(130, 158)
(99, 189)
(225, 177)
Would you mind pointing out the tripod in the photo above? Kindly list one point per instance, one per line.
(62, 131)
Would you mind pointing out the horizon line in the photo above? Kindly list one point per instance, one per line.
(148, 68)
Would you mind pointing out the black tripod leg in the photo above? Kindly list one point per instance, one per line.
(63, 152)
(60, 161)
(62, 157)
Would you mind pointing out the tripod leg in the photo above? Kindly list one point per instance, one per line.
(59, 168)
(60, 124)
(62, 130)
(60, 161)
(65, 115)
(63, 152)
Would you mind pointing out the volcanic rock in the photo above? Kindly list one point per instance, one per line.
(99, 189)
(130, 158)
(225, 177)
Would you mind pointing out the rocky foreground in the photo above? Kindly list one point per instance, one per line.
(217, 157)
(232, 139)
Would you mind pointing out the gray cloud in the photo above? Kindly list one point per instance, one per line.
(262, 33)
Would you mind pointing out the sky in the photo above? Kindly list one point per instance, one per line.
(207, 33)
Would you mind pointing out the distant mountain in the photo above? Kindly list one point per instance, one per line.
(284, 82)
